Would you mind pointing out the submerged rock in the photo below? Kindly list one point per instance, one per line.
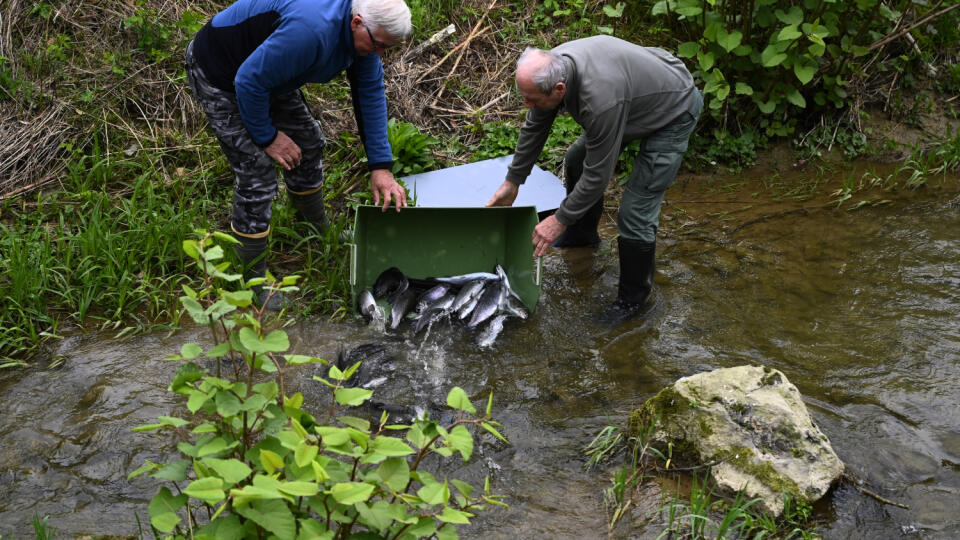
(753, 421)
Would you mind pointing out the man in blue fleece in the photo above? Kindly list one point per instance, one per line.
(246, 67)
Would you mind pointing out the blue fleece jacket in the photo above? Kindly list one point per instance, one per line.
(263, 48)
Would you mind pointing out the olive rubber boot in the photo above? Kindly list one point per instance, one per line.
(252, 255)
(636, 281)
(310, 209)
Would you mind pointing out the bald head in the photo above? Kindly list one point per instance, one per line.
(541, 78)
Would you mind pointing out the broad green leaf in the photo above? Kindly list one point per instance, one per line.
(794, 96)
(434, 493)
(196, 311)
(355, 423)
(332, 436)
(209, 489)
(225, 527)
(241, 298)
(219, 350)
(391, 447)
(395, 473)
(215, 446)
(463, 487)
(804, 72)
(299, 489)
(460, 439)
(227, 403)
(271, 461)
(449, 515)
(448, 532)
(706, 60)
(615, 12)
(375, 516)
(272, 515)
(197, 399)
(163, 510)
(457, 399)
(304, 454)
(192, 249)
(298, 359)
(689, 11)
(175, 471)
(232, 470)
(770, 57)
(767, 107)
(351, 492)
(190, 351)
(789, 33)
(743, 89)
(353, 396)
(729, 41)
(489, 405)
(688, 49)
(794, 16)
(147, 466)
(311, 529)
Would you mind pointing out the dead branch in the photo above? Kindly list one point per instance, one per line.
(883, 41)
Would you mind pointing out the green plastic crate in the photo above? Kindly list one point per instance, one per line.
(434, 242)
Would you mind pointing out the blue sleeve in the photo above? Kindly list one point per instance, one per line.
(370, 108)
(288, 52)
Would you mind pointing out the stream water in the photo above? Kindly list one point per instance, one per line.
(859, 309)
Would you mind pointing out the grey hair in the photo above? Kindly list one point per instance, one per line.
(393, 16)
(551, 73)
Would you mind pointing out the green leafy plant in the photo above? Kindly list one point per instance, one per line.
(412, 152)
(258, 464)
(767, 58)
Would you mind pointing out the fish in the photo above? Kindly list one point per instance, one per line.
(468, 308)
(491, 331)
(432, 295)
(468, 291)
(487, 304)
(401, 306)
(461, 279)
(427, 317)
(367, 305)
(390, 282)
(515, 307)
(376, 364)
(506, 281)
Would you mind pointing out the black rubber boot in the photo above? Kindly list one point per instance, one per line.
(310, 209)
(583, 233)
(636, 281)
(252, 255)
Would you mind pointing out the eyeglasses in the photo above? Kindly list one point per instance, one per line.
(376, 44)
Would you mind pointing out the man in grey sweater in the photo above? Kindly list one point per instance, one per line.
(617, 92)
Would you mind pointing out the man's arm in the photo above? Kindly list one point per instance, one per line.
(533, 135)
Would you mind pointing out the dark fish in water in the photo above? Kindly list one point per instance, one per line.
(390, 282)
(468, 292)
(488, 303)
(367, 305)
(401, 306)
(426, 318)
(466, 278)
(376, 365)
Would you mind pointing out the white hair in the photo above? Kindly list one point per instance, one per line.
(553, 70)
(393, 16)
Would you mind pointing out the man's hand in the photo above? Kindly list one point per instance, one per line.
(545, 233)
(505, 195)
(284, 151)
(383, 184)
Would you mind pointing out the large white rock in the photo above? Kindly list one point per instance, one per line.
(753, 420)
